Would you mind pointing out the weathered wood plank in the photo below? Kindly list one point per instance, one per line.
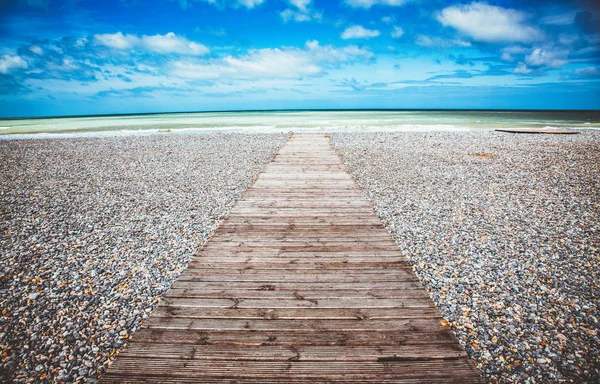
(300, 284)
(297, 313)
(434, 370)
(366, 338)
(299, 353)
(295, 286)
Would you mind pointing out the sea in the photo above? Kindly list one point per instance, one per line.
(307, 121)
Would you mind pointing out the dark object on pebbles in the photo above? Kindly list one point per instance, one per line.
(552, 131)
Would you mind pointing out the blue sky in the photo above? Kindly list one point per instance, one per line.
(127, 56)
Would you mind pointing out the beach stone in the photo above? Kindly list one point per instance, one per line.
(503, 226)
(94, 231)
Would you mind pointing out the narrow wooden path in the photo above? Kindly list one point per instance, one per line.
(301, 284)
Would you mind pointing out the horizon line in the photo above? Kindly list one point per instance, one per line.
(300, 110)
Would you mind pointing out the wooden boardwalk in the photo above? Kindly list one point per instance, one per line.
(301, 284)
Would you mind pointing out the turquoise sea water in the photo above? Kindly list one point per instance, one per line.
(297, 121)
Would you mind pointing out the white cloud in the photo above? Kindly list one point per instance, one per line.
(440, 42)
(509, 52)
(8, 63)
(116, 40)
(171, 43)
(204, 71)
(397, 32)
(168, 43)
(273, 62)
(388, 19)
(286, 63)
(248, 3)
(300, 11)
(587, 72)
(299, 16)
(547, 57)
(66, 65)
(37, 50)
(222, 3)
(359, 32)
(370, 3)
(489, 23)
(522, 69)
(259, 63)
(81, 42)
(301, 4)
(334, 55)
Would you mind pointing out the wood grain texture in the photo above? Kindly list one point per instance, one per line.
(300, 284)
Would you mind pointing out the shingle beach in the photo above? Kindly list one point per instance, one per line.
(94, 231)
(504, 232)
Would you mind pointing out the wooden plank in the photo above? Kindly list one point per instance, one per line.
(295, 286)
(296, 313)
(300, 301)
(300, 353)
(300, 284)
(366, 266)
(242, 325)
(415, 292)
(366, 338)
(434, 370)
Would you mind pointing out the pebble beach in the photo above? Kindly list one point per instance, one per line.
(503, 230)
(94, 231)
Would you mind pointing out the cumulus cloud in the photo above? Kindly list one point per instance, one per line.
(369, 3)
(397, 32)
(37, 50)
(440, 42)
(9, 63)
(489, 23)
(547, 57)
(301, 4)
(168, 43)
(359, 32)
(522, 69)
(273, 62)
(287, 62)
(300, 11)
(116, 40)
(171, 43)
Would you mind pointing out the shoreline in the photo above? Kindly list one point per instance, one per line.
(114, 134)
